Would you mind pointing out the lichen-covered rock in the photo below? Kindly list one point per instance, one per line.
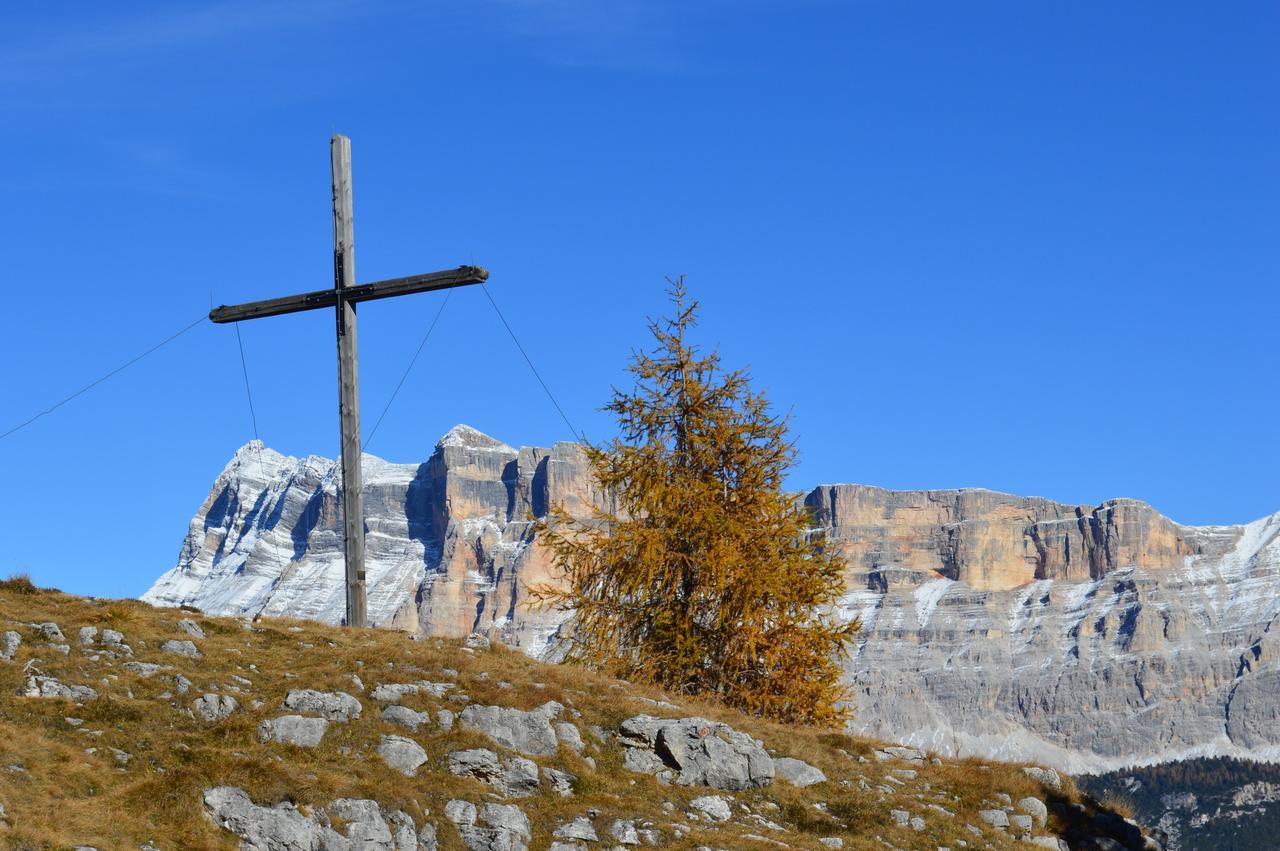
(334, 705)
(293, 730)
(528, 732)
(699, 751)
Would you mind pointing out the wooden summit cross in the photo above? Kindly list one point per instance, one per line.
(344, 296)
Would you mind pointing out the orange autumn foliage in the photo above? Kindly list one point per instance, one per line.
(703, 577)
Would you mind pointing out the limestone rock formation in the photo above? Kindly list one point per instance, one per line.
(1083, 637)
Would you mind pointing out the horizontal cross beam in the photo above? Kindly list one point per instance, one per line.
(460, 277)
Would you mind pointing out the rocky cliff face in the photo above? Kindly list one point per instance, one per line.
(449, 542)
(1085, 637)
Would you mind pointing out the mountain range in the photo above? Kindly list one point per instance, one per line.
(1088, 638)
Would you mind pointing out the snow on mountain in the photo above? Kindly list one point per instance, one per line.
(1085, 637)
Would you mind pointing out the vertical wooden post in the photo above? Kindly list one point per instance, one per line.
(344, 275)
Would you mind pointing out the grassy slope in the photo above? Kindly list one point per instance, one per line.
(59, 795)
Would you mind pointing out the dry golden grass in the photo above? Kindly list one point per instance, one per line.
(62, 787)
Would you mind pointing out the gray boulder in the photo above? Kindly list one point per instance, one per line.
(334, 705)
(191, 628)
(181, 648)
(714, 807)
(1035, 808)
(88, 635)
(699, 751)
(394, 692)
(580, 828)
(9, 644)
(491, 827)
(145, 669)
(214, 707)
(561, 781)
(280, 828)
(1047, 777)
(38, 685)
(405, 717)
(797, 772)
(404, 755)
(516, 777)
(50, 632)
(528, 732)
(366, 828)
(293, 730)
(568, 735)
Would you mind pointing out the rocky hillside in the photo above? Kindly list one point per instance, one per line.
(1083, 637)
(124, 726)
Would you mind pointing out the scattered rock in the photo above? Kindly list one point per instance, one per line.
(476, 641)
(528, 732)
(145, 669)
(1035, 808)
(9, 644)
(181, 684)
(88, 635)
(293, 730)
(714, 807)
(334, 705)
(112, 637)
(797, 772)
(50, 631)
(404, 755)
(181, 648)
(214, 707)
(1047, 776)
(568, 735)
(281, 827)
(702, 752)
(624, 830)
(515, 778)
(38, 685)
(561, 781)
(191, 628)
(445, 719)
(995, 818)
(832, 841)
(906, 754)
(580, 828)
(505, 827)
(405, 717)
(394, 692)
(900, 817)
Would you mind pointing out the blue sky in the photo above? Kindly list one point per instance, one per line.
(1024, 246)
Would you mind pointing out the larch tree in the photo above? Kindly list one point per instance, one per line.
(703, 577)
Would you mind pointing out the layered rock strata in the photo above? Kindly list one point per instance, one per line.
(1084, 637)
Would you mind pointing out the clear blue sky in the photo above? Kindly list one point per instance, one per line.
(1024, 246)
